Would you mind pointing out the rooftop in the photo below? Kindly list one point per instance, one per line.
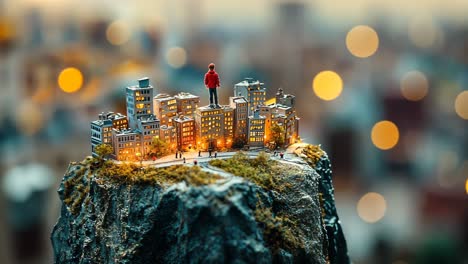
(184, 95)
(143, 83)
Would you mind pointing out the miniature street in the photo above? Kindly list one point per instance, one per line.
(192, 156)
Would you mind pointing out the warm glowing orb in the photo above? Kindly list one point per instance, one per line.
(414, 85)
(385, 135)
(371, 207)
(362, 41)
(176, 57)
(118, 33)
(461, 105)
(327, 85)
(70, 80)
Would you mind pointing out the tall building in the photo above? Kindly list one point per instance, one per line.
(139, 101)
(241, 107)
(187, 103)
(185, 129)
(266, 111)
(165, 108)
(228, 126)
(256, 129)
(252, 91)
(209, 125)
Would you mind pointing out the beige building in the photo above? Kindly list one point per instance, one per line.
(165, 108)
(209, 127)
(186, 133)
(187, 103)
(169, 135)
(148, 128)
(127, 145)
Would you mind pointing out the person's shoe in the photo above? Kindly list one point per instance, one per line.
(211, 106)
(218, 106)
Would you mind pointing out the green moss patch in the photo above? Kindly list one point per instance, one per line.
(313, 153)
(267, 173)
(278, 231)
(132, 173)
(75, 190)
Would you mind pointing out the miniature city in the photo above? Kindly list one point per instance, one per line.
(178, 123)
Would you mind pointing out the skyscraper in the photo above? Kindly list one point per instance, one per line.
(139, 102)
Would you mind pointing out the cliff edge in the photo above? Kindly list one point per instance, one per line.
(235, 210)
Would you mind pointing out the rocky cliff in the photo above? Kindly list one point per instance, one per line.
(240, 210)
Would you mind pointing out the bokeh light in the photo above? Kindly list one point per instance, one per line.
(466, 186)
(414, 85)
(371, 207)
(118, 33)
(70, 80)
(362, 41)
(424, 33)
(385, 135)
(176, 57)
(29, 118)
(461, 105)
(327, 85)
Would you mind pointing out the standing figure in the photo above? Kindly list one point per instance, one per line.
(176, 154)
(212, 83)
(199, 153)
(216, 154)
(184, 159)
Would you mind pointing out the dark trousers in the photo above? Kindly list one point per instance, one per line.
(213, 93)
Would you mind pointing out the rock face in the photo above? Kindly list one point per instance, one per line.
(230, 221)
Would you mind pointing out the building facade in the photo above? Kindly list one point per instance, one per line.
(256, 129)
(209, 125)
(139, 101)
(187, 103)
(165, 108)
(186, 132)
(253, 91)
(241, 108)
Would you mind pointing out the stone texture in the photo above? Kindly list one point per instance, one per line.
(217, 223)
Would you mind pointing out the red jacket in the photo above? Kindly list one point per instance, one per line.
(212, 79)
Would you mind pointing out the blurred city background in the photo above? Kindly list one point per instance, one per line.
(381, 85)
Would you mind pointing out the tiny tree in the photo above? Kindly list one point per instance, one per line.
(104, 150)
(159, 147)
(277, 134)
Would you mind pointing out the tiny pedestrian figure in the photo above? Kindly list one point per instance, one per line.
(184, 159)
(216, 154)
(176, 154)
(274, 153)
(180, 154)
(212, 84)
(209, 152)
(199, 153)
(281, 155)
(195, 162)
